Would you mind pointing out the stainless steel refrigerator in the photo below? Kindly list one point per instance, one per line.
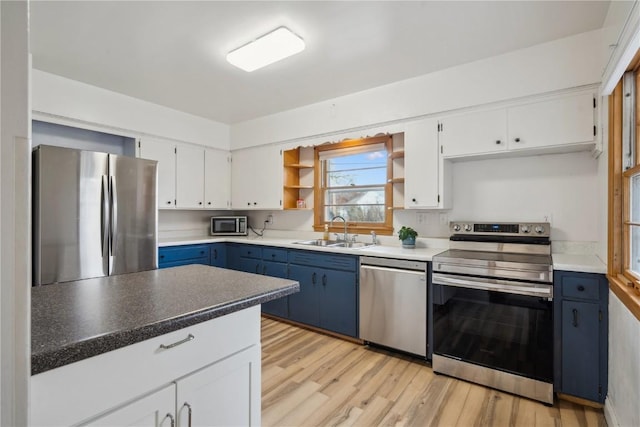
(95, 214)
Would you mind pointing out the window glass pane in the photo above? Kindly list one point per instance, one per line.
(634, 257)
(354, 186)
(634, 199)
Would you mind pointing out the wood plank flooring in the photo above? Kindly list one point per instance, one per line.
(311, 379)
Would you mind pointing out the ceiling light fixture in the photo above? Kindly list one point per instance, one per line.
(278, 44)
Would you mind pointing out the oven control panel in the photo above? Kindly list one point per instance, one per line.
(534, 229)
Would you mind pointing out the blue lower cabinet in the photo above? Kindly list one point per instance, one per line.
(218, 255)
(278, 307)
(173, 256)
(304, 306)
(580, 327)
(338, 302)
(328, 298)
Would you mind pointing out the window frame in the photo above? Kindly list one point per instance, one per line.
(320, 221)
(624, 283)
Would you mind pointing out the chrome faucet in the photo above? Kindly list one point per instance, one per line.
(346, 235)
(374, 238)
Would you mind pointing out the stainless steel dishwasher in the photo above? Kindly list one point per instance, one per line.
(393, 303)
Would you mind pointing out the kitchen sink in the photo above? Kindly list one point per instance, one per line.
(319, 242)
(333, 243)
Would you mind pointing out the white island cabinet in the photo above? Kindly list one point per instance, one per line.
(207, 374)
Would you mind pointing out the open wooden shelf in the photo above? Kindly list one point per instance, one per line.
(298, 178)
(298, 166)
(300, 187)
(398, 180)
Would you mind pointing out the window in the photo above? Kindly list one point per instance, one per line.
(352, 178)
(624, 189)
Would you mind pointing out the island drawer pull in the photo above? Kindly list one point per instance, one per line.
(177, 343)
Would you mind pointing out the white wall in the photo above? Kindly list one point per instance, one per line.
(15, 248)
(562, 187)
(560, 64)
(621, 406)
(56, 98)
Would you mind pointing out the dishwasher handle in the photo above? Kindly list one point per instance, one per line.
(395, 270)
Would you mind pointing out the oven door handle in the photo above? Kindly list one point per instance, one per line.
(508, 287)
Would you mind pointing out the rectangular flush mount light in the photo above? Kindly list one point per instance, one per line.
(278, 44)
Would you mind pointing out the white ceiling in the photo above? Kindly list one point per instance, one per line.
(173, 53)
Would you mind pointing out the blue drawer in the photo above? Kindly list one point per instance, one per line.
(583, 286)
(203, 261)
(274, 254)
(181, 253)
(250, 251)
(336, 262)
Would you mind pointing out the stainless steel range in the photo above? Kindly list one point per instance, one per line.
(493, 317)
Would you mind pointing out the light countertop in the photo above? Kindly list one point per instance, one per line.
(417, 254)
(579, 263)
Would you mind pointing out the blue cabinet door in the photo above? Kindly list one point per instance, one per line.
(304, 306)
(581, 349)
(278, 307)
(218, 253)
(338, 302)
(233, 256)
(250, 265)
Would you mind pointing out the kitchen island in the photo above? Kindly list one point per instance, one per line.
(126, 348)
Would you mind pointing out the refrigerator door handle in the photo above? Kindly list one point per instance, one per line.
(104, 216)
(114, 219)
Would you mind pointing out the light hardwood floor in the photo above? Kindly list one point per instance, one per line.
(311, 379)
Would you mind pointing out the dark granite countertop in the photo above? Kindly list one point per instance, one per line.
(77, 320)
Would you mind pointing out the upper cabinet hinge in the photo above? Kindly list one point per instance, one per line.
(175, 150)
(594, 102)
(594, 130)
(438, 198)
(280, 202)
(441, 149)
(440, 127)
(139, 144)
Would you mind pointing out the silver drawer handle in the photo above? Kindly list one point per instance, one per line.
(177, 343)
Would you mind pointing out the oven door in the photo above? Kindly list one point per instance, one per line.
(476, 320)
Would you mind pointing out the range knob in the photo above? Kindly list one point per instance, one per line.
(467, 227)
(456, 227)
(525, 229)
(539, 229)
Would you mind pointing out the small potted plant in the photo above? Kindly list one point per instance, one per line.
(408, 236)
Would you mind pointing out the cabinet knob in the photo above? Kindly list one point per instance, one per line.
(248, 203)
(517, 140)
(498, 142)
(414, 200)
(161, 256)
(169, 202)
(208, 203)
(200, 203)
(255, 203)
(581, 288)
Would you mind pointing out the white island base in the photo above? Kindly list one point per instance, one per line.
(208, 380)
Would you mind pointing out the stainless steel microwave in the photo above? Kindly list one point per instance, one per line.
(232, 225)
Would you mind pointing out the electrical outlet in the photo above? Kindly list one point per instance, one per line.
(444, 218)
(269, 219)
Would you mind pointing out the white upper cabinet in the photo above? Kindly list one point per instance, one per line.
(421, 165)
(190, 177)
(217, 179)
(474, 133)
(256, 178)
(165, 154)
(558, 122)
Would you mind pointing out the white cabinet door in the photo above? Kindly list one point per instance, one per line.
(562, 121)
(421, 165)
(154, 410)
(165, 154)
(226, 393)
(189, 177)
(256, 178)
(480, 132)
(217, 179)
